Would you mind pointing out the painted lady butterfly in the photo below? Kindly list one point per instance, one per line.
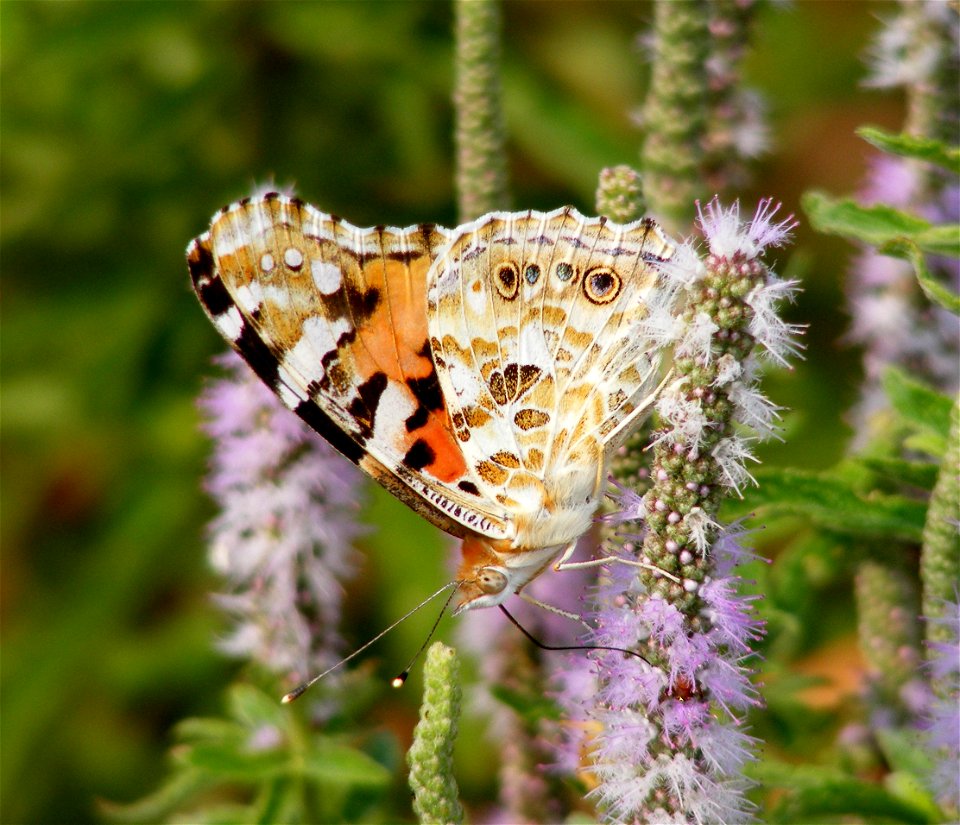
(483, 375)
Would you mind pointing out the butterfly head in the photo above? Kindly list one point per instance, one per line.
(491, 572)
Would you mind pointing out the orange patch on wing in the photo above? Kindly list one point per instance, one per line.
(393, 341)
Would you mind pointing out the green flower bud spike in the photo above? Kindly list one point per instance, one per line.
(435, 793)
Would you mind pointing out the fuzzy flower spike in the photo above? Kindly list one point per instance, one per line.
(283, 539)
(672, 747)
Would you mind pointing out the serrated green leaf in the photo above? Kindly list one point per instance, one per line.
(935, 291)
(871, 224)
(925, 409)
(915, 473)
(342, 765)
(918, 148)
(829, 501)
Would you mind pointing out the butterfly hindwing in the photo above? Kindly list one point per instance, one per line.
(535, 323)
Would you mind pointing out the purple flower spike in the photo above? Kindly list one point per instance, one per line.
(672, 746)
(283, 540)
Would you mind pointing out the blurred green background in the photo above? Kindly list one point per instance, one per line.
(124, 127)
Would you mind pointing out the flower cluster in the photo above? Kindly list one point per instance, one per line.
(283, 540)
(672, 747)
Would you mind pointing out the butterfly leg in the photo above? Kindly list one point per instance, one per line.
(577, 565)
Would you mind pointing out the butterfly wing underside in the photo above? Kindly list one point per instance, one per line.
(333, 318)
(535, 321)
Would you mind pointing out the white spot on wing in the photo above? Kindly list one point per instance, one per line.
(326, 276)
(533, 345)
(230, 323)
(396, 405)
(477, 298)
(293, 258)
(249, 296)
(319, 337)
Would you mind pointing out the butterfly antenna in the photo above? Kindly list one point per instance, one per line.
(543, 646)
(298, 691)
(401, 678)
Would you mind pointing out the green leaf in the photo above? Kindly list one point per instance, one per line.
(157, 806)
(254, 708)
(923, 408)
(871, 224)
(338, 764)
(228, 762)
(830, 501)
(209, 729)
(943, 239)
(905, 751)
(936, 292)
(817, 794)
(911, 789)
(917, 148)
(915, 473)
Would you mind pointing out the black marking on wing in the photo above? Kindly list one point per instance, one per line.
(257, 355)
(209, 288)
(427, 391)
(469, 487)
(364, 408)
(419, 455)
(406, 257)
(417, 419)
(362, 303)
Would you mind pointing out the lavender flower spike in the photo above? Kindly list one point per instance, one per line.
(672, 747)
(283, 540)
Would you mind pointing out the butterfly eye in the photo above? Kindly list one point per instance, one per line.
(508, 281)
(601, 285)
(491, 581)
(564, 271)
(532, 274)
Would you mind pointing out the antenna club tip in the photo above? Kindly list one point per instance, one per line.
(296, 693)
(399, 681)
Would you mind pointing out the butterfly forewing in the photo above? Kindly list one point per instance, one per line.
(333, 318)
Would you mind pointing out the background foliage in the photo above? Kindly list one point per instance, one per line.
(125, 125)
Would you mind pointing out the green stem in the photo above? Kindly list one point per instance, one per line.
(481, 160)
(675, 112)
